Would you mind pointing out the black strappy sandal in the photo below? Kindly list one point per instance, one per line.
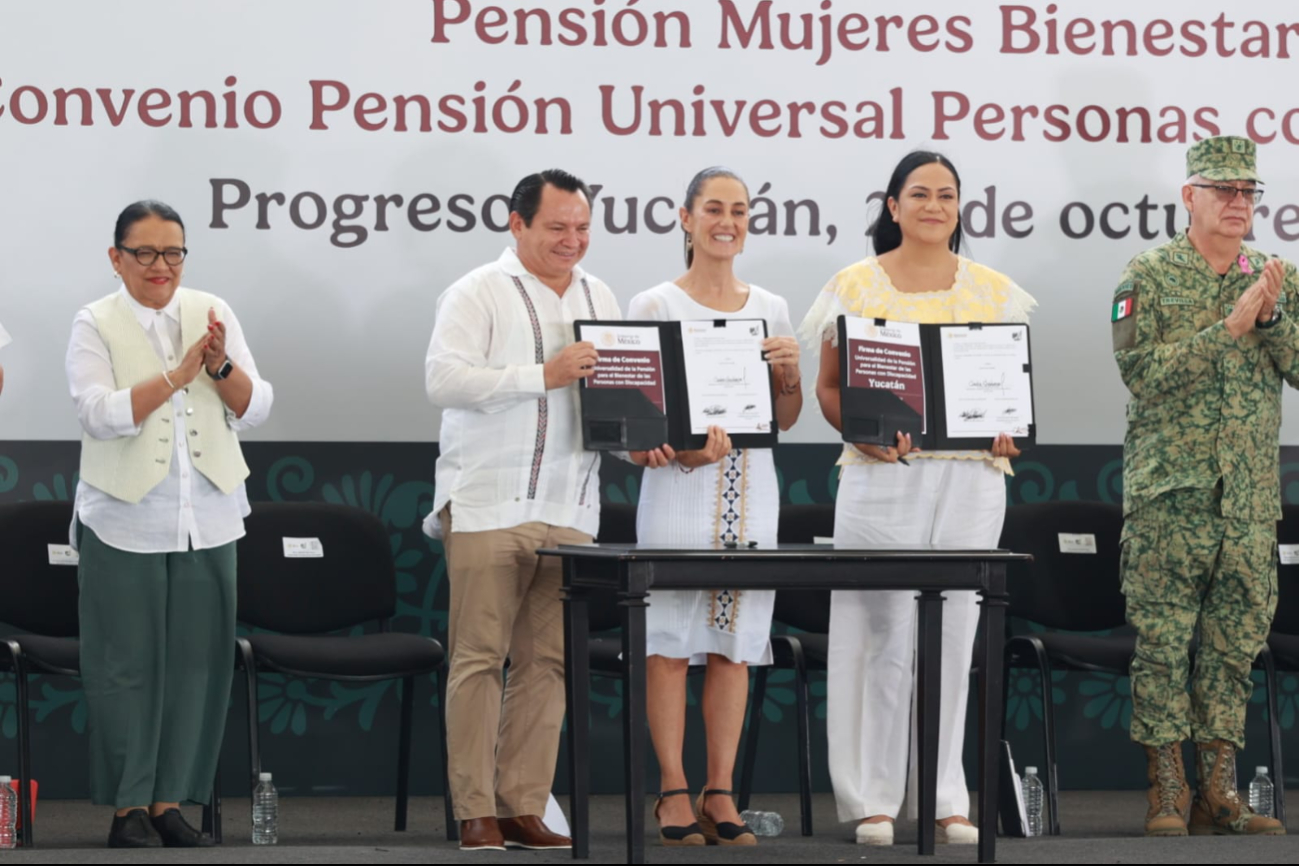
(721, 832)
(674, 837)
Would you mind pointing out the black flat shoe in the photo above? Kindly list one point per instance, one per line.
(133, 830)
(176, 833)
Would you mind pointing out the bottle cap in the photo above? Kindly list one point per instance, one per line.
(5, 780)
(263, 777)
(1262, 771)
(1032, 770)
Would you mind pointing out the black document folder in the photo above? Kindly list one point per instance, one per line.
(626, 416)
(875, 415)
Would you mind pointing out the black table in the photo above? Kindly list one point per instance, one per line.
(633, 570)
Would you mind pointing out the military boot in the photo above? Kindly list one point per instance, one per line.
(1168, 795)
(1218, 810)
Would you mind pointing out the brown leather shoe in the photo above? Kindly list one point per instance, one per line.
(481, 834)
(528, 831)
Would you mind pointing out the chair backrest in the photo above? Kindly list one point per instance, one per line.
(804, 609)
(36, 596)
(800, 524)
(355, 581)
(1287, 576)
(617, 526)
(1072, 591)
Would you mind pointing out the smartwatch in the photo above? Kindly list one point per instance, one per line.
(223, 371)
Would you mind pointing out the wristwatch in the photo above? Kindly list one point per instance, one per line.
(223, 371)
(1272, 322)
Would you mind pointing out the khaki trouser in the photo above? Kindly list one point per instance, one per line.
(505, 603)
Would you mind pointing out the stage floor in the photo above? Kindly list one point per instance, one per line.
(1100, 827)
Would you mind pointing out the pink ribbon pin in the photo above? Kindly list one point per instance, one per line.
(1245, 266)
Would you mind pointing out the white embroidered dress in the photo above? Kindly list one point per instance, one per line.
(735, 499)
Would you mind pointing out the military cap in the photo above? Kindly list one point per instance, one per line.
(1225, 157)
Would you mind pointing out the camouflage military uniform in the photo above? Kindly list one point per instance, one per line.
(1201, 486)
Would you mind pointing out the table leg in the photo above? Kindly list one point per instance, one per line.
(577, 684)
(992, 704)
(929, 655)
(634, 581)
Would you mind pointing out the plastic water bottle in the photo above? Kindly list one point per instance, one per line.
(1260, 793)
(8, 814)
(1033, 800)
(763, 823)
(266, 808)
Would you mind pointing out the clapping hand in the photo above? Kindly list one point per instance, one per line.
(1271, 281)
(214, 355)
(191, 363)
(1257, 303)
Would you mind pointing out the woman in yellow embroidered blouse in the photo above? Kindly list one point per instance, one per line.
(954, 498)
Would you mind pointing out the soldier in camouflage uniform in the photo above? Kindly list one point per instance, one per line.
(1203, 345)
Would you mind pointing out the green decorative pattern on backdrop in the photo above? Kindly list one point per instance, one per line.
(1024, 697)
(303, 720)
(60, 489)
(52, 702)
(8, 474)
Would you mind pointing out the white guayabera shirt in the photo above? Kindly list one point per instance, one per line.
(511, 451)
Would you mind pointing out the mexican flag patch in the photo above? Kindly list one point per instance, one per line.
(1122, 309)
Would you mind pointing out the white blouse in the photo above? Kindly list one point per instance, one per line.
(186, 510)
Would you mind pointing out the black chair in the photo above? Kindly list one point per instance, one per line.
(1075, 592)
(809, 612)
(305, 598)
(617, 526)
(41, 599)
(1072, 592)
(1282, 649)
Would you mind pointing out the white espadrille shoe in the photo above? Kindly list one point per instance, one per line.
(956, 834)
(879, 833)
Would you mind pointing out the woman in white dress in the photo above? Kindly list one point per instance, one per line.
(953, 498)
(714, 495)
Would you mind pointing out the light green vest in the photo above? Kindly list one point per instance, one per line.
(128, 467)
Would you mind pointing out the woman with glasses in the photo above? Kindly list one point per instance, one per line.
(163, 380)
(948, 498)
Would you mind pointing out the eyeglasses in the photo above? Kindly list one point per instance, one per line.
(1226, 193)
(146, 257)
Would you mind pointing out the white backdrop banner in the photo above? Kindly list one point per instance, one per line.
(339, 163)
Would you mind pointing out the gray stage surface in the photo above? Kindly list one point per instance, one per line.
(1100, 827)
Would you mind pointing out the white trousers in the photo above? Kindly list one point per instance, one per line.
(871, 679)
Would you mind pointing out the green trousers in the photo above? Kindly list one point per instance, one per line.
(1185, 565)
(157, 658)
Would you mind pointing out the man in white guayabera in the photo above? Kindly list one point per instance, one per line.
(511, 478)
